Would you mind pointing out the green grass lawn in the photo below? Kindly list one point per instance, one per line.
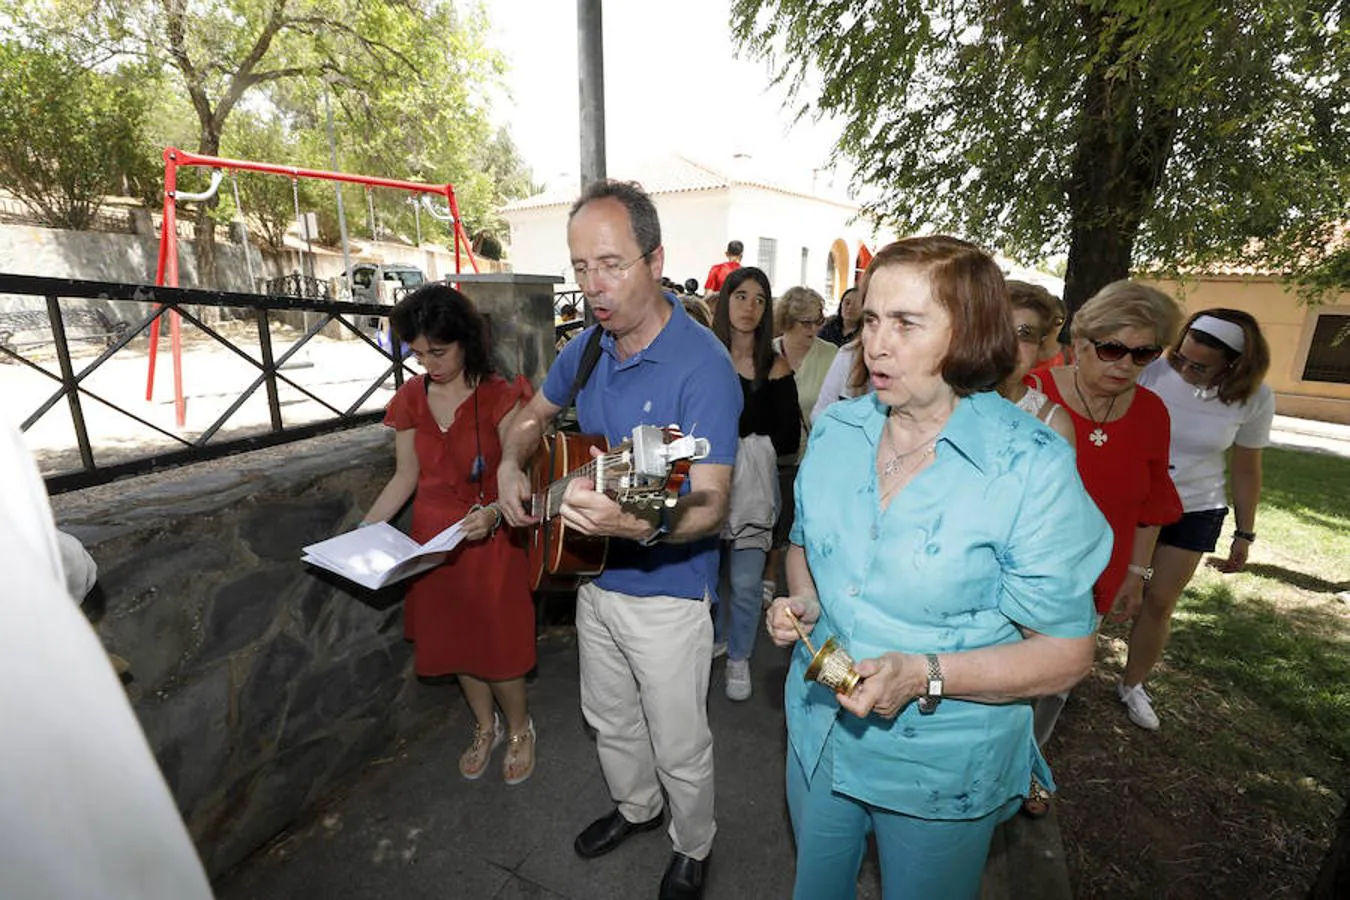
(1238, 793)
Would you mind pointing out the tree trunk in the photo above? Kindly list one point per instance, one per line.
(1124, 143)
(204, 232)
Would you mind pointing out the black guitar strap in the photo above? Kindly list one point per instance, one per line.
(590, 355)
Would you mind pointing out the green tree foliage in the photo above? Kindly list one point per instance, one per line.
(268, 201)
(1129, 133)
(68, 135)
(406, 79)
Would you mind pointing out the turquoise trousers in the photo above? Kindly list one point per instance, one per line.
(923, 859)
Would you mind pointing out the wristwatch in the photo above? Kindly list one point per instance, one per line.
(1144, 572)
(1248, 536)
(928, 703)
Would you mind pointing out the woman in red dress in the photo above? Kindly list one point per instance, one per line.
(472, 616)
(1123, 433)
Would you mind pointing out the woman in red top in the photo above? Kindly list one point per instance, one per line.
(472, 616)
(1123, 433)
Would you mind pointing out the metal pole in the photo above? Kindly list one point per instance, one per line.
(337, 188)
(591, 79)
(72, 386)
(243, 227)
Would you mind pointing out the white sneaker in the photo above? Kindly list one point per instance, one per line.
(719, 649)
(738, 679)
(1139, 706)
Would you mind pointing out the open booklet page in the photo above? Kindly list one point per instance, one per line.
(380, 554)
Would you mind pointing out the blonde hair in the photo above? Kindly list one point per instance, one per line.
(697, 310)
(1127, 304)
(797, 303)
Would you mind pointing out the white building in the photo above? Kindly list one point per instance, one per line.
(796, 237)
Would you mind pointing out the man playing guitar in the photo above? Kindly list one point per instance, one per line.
(644, 634)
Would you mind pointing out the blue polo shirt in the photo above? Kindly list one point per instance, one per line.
(683, 377)
(996, 533)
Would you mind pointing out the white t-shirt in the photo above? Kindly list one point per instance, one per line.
(1203, 428)
(835, 386)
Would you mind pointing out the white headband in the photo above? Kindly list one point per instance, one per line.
(1228, 333)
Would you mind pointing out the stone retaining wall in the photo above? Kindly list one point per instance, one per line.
(261, 685)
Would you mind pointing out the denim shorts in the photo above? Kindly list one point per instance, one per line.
(1197, 531)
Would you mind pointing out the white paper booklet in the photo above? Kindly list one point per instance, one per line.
(380, 554)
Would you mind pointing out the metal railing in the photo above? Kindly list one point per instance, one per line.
(298, 285)
(64, 298)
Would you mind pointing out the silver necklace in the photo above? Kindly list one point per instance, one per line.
(1098, 435)
(896, 464)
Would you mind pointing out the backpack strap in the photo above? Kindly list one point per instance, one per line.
(590, 355)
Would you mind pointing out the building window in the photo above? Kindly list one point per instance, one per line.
(830, 277)
(806, 265)
(768, 257)
(1329, 352)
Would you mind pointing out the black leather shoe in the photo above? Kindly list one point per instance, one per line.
(684, 878)
(608, 832)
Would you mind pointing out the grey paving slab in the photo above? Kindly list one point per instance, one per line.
(410, 827)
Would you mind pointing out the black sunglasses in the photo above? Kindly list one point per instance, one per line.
(1112, 351)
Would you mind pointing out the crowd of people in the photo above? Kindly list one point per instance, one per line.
(927, 478)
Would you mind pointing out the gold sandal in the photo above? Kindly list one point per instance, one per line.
(1037, 801)
(517, 746)
(473, 762)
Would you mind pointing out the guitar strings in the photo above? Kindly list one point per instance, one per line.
(556, 489)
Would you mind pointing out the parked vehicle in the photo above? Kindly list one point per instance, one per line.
(385, 284)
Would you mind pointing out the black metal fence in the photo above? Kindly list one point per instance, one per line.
(297, 285)
(67, 305)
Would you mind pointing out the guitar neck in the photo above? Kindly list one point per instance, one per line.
(602, 470)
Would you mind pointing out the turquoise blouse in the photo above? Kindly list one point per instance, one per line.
(997, 532)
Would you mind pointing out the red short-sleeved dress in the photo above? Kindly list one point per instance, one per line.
(474, 614)
(1127, 476)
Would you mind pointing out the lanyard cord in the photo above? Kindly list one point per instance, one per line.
(479, 464)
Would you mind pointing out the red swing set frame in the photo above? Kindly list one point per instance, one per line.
(166, 273)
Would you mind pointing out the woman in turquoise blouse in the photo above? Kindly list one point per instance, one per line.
(954, 556)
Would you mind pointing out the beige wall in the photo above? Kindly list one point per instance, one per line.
(1288, 325)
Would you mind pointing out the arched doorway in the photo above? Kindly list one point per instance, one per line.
(838, 270)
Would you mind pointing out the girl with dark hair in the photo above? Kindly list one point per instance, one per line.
(769, 428)
(472, 616)
(751, 323)
(1212, 382)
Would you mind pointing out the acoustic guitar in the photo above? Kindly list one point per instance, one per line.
(644, 473)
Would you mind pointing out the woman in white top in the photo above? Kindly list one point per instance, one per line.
(1212, 382)
(839, 380)
(1034, 311)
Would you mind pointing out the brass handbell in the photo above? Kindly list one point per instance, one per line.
(831, 665)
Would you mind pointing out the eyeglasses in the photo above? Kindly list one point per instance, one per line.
(1112, 351)
(1028, 335)
(609, 269)
(1182, 364)
(814, 323)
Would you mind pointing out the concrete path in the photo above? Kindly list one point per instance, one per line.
(1310, 434)
(410, 827)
